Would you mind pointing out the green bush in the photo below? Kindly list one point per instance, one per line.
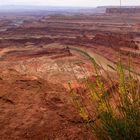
(118, 112)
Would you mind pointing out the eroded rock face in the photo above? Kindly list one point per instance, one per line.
(115, 40)
(33, 109)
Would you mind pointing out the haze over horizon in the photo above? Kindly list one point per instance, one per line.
(71, 3)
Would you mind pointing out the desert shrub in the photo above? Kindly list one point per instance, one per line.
(117, 114)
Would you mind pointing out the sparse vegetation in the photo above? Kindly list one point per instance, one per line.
(117, 114)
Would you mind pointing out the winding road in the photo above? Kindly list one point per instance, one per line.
(103, 62)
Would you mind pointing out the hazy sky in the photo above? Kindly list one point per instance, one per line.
(69, 2)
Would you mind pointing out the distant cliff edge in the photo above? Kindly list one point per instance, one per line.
(129, 10)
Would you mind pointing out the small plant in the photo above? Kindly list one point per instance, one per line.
(117, 113)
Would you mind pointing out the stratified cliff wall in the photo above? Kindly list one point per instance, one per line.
(123, 10)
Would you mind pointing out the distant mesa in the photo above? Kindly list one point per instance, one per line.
(123, 10)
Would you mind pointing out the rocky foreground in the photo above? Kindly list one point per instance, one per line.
(33, 109)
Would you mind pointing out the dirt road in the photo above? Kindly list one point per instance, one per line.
(103, 62)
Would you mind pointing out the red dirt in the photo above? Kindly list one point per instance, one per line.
(31, 108)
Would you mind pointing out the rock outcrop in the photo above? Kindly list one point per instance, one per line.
(115, 40)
